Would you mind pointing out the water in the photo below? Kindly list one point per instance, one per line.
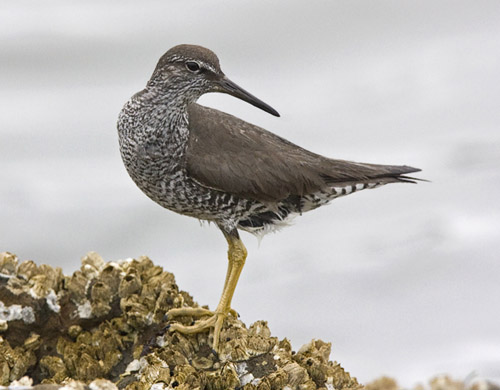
(403, 280)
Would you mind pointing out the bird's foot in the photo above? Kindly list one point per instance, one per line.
(215, 320)
(196, 312)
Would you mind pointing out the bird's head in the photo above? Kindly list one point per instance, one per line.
(192, 71)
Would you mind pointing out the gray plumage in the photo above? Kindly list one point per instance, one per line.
(204, 163)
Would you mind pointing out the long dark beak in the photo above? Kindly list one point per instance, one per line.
(227, 86)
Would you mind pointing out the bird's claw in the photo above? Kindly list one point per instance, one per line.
(194, 312)
(215, 320)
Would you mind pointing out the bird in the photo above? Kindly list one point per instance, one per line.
(207, 164)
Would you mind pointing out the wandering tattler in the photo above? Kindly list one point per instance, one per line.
(210, 165)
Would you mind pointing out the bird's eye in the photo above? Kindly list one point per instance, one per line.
(193, 66)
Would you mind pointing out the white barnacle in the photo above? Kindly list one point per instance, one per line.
(53, 301)
(85, 309)
(17, 312)
(247, 378)
(133, 366)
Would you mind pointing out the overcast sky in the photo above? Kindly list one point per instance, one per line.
(403, 280)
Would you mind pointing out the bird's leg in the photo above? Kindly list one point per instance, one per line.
(230, 264)
(237, 254)
(199, 311)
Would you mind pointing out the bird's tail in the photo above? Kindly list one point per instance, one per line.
(371, 175)
(396, 173)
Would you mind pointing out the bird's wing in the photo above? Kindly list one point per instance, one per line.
(230, 155)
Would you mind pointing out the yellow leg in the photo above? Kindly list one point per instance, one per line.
(237, 254)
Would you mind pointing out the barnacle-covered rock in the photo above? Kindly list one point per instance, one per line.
(45, 281)
(54, 369)
(107, 320)
(76, 285)
(100, 299)
(382, 383)
(8, 263)
(92, 263)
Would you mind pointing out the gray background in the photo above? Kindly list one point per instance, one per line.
(404, 280)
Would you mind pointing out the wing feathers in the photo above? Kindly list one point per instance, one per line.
(231, 155)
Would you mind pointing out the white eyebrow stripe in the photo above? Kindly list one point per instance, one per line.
(209, 67)
(201, 63)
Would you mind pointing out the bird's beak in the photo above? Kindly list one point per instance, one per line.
(227, 86)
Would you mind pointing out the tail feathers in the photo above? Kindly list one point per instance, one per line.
(398, 173)
(410, 179)
(357, 173)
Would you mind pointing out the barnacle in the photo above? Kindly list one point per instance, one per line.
(8, 263)
(74, 331)
(226, 378)
(100, 299)
(88, 368)
(23, 360)
(102, 384)
(296, 374)
(106, 321)
(155, 370)
(130, 284)
(92, 263)
(32, 342)
(27, 269)
(386, 383)
(45, 280)
(260, 340)
(54, 369)
(76, 285)
(111, 276)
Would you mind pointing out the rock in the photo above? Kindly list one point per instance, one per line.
(440, 382)
(103, 328)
